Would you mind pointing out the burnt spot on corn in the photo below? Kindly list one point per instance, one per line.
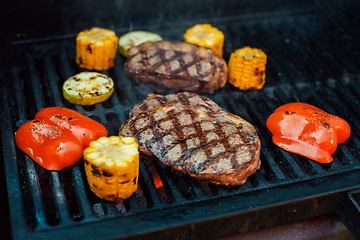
(125, 182)
(87, 162)
(81, 60)
(95, 171)
(107, 174)
(88, 48)
(112, 196)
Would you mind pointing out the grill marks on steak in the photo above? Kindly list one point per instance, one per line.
(176, 66)
(195, 136)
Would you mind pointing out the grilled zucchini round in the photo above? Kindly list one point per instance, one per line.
(135, 38)
(88, 88)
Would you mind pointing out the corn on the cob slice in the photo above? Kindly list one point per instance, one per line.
(96, 49)
(136, 38)
(88, 88)
(112, 167)
(247, 68)
(207, 36)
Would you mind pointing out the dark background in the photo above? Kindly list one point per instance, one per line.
(45, 18)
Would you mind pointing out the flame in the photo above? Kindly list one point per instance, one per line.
(157, 181)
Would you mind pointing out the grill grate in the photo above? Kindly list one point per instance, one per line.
(305, 63)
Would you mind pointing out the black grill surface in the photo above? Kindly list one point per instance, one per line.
(313, 56)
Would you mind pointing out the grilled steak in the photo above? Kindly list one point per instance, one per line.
(177, 66)
(193, 135)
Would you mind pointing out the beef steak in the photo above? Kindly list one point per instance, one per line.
(194, 136)
(177, 66)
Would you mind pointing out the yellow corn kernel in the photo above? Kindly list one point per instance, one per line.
(247, 68)
(112, 167)
(96, 49)
(207, 36)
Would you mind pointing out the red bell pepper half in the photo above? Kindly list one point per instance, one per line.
(307, 130)
(57, 136)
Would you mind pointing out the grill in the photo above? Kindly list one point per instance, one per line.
(313, 57)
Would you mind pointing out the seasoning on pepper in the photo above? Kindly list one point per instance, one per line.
(57, 136)
(307, 130)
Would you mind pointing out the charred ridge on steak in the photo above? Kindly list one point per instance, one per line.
(194, 136)
(176, 66)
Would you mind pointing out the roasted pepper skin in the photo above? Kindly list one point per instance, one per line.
(307, 130)
(50, 146)
(84, 128)
(55, 139)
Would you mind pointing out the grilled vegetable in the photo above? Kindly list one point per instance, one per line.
(88, 88)
(96, 49)
(134, 39)
(247, 68)
(84, 128)
(57, 136)
(307, 130)
(207, 36)
(112, 167)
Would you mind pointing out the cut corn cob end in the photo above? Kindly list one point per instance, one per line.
(247, 68)
(207, 36)
(112, 167)
(96, 49)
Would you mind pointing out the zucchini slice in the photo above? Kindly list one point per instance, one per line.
(134, 39)
(88, 88)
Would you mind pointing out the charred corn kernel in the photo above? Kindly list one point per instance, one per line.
(247, 68)
(96, 49)
(112, 167)
(134, 39)
(207, 36)
(88, 88)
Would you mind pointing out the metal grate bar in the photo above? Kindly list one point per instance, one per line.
(59, 198)
(150, 186)
(39, 210)
(51, 77)
(81, 195)
(35, 83)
